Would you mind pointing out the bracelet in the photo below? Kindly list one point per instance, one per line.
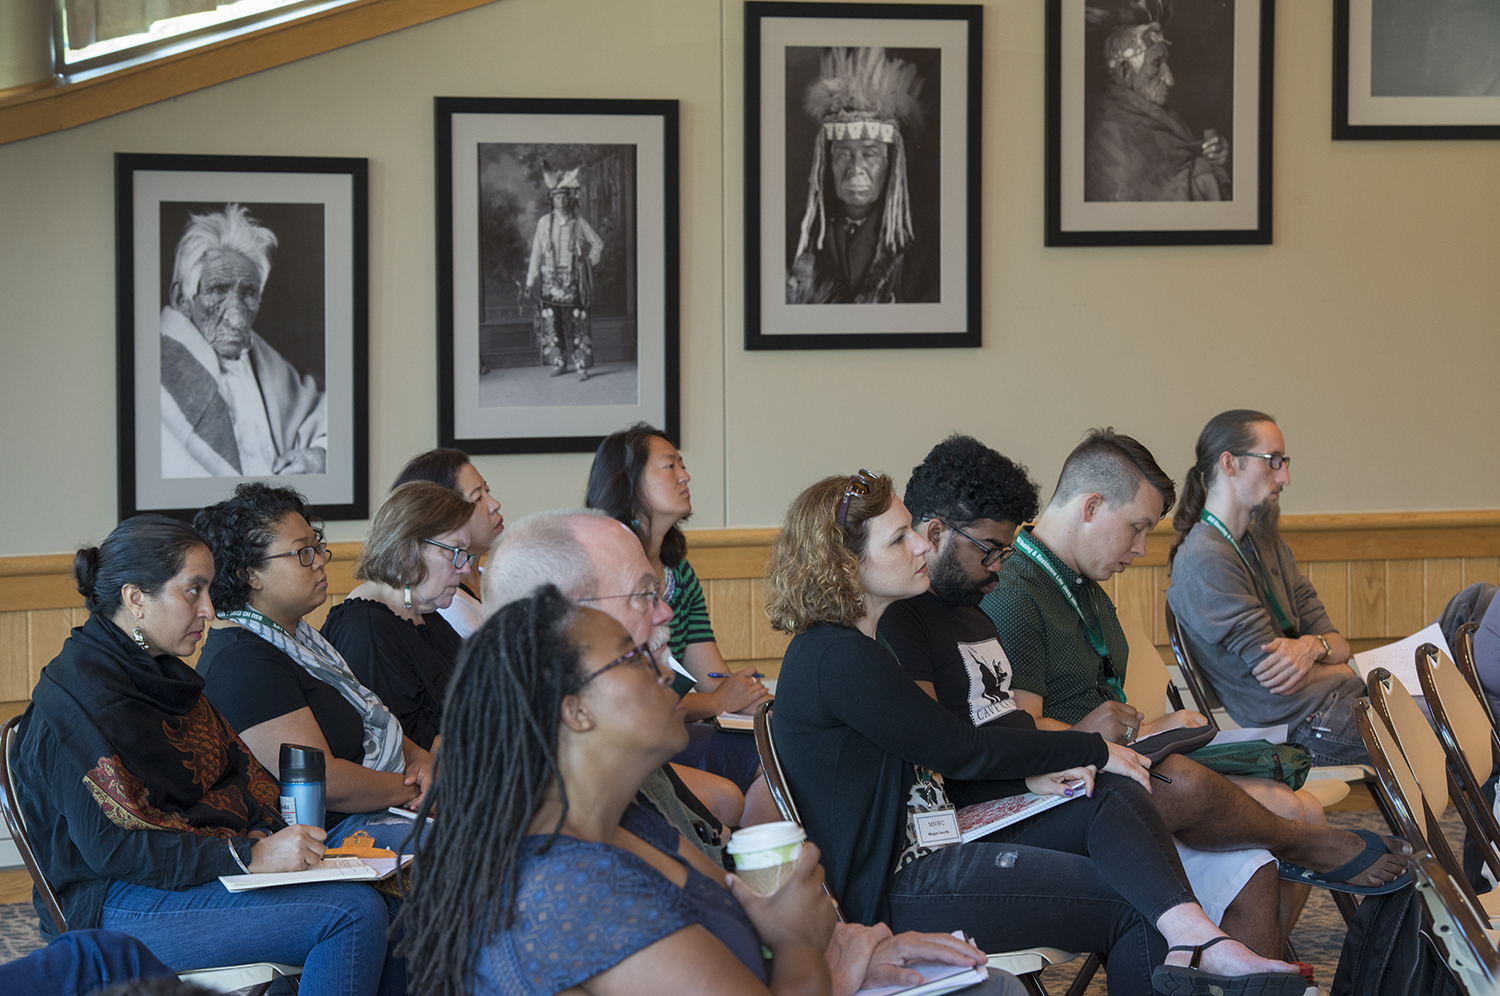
(236, 855)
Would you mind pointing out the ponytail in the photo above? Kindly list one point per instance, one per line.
(1232, 431)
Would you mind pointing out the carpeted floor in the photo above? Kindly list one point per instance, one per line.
(1318, 936)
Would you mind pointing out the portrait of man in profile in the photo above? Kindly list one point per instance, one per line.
(1139, 144)
(232, 405)
(866, 233)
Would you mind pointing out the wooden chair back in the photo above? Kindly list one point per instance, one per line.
(1470, 743)
(1146, 674)
(1458, 927)
(1463, 656)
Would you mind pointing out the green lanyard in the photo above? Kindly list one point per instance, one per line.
(1032, 550)
(1287, 629)
(248, 613)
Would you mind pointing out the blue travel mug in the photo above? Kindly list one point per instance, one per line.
(302, 784)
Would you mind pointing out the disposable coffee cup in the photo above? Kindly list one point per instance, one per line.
(763, 854)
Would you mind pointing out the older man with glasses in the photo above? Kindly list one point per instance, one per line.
(1250, 617)
(595, 559)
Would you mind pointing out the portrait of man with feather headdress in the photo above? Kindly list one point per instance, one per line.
(857, 242)
(564, 252)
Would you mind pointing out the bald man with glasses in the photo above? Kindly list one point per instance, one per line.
(1250, 618)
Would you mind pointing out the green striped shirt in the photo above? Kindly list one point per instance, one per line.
(689, 610)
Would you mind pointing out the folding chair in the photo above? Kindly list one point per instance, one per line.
(1412, 771)
(1470, 742)
(255, 978)
(1458, 928)
(1026, 964)
(1463, 656)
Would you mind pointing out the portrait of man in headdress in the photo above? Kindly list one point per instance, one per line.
(1140, 143)
(560, 277)
(864, 236)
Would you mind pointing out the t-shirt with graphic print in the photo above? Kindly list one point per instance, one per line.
(957, 649)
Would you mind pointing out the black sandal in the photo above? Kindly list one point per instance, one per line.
(1176, 980)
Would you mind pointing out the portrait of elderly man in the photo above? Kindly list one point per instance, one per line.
(560, 277)
(1138, 148)
(231, 405)
(857, 242)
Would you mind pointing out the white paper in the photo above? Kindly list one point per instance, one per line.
(1400, 658)
(336, 869)
(1274, 734)
(936, 978)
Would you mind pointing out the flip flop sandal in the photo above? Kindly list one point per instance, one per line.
(1190, 980)
(1336, 880)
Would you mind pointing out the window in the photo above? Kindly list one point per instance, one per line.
(105, 33)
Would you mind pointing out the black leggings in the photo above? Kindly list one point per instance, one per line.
(1093, 874)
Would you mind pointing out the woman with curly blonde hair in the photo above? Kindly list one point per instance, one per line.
(865, 752)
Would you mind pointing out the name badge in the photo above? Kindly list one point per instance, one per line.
(938, 828)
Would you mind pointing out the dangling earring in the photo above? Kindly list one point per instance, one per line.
(408, 594)
(140, 641)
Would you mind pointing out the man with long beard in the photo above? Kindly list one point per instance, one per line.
(1251, 619)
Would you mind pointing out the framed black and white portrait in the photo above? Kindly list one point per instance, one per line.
(557, 271)
(1416, 69)
(862, 175)
(1158, 122)
(241, 317)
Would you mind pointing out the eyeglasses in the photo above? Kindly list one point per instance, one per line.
(651, 596)
(306, 554)
(1276, 460)
(992, 554)
(640, 650)
(858, 487)
(461, 558)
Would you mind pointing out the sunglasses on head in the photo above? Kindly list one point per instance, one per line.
(858, 487)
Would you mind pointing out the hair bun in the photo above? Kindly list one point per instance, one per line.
(86, 571)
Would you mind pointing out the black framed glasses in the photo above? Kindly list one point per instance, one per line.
(1276, 460)
(306, 554)
(992, 554)
(858, 487)
(639, 651)
(650, 596)
(461, 558)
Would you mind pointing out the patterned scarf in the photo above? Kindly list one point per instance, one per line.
(316, 655)
(151, 750)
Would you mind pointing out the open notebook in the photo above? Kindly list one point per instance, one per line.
(327, 870)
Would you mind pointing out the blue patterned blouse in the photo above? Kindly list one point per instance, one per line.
(583, 908)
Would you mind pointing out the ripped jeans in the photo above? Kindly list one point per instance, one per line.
(1329, 733)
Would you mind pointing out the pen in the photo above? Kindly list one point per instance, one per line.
(1158, 777)
(721, 674)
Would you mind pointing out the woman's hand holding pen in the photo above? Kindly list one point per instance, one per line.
(1071, 782)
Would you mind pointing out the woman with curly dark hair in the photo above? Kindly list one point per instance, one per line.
(279, 681)
(139, 796)
(866, 752)
(542, 876)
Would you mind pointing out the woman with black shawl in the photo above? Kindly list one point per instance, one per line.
(139, 795)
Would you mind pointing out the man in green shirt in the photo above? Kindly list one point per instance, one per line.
(1068, 656)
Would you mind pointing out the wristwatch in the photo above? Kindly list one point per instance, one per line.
(1326, 648)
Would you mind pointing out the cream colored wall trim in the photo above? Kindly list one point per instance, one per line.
(40, 108)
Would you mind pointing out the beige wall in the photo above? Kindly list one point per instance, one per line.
(1368, 328)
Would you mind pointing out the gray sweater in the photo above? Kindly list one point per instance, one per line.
(1226, 620)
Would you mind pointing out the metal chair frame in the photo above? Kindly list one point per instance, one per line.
(1459, 718)
(1458, 928)
(1463, 656)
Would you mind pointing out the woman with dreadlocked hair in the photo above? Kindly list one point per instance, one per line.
(552, 722)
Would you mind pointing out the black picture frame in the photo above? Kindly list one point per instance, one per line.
(1087, 191)
(1419, 94)
(310, 363)
(939, 302)
(496, 392)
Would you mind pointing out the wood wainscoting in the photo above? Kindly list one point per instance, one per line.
(1382, 576)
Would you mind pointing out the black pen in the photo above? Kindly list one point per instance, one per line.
(1158, 777)
(721, 674)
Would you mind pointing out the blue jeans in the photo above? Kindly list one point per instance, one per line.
(335, 930)
(1330, 734)
(721, 752)
(81, 962)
